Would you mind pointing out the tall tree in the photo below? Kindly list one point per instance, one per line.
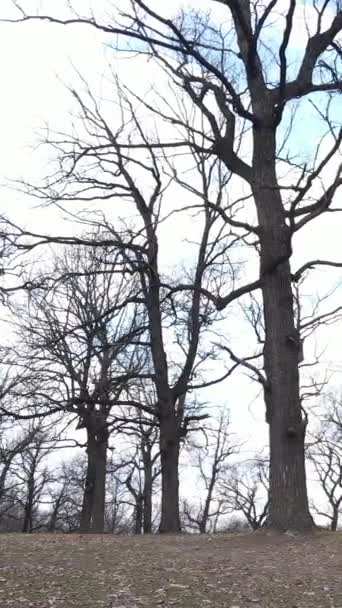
(83, 345)
(325, 455)
(32, 473)
(250, 93)
(245, 489)
(212, 459)
(12, 445)
(144, 468)
(176, 309)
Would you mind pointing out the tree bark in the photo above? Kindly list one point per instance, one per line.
(28, 508)
(148, 485)
(288, 494)
(99, 504)
(93, 507)
(138, 514)
(3, 477)
(334, 519)
(89, 486)
(28, 517)
(169, 459)
(205, 516)
(26, 522)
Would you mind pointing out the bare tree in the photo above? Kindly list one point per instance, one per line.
(211, 458)
(10, 448)
(334, 414)
(58, 497)
(148, 467)
(61, 507)
(247, 98)
(245, 490)
(64, 495)
(139, 469)
(170, 306)
(325, 454)
(77, 338)
(118, 511)
(32, 476)
(138, 500)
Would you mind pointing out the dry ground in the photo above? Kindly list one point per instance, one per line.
(260, 570)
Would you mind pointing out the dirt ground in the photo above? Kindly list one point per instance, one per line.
(260, 570)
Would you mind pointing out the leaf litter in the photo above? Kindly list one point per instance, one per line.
(259, 570)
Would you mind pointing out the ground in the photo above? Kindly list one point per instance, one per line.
(260, 570)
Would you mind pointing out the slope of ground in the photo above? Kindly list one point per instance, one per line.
(260, 570)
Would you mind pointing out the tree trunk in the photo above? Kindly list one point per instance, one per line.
(26, 521)
(148, 485)
(93, 507)
(53, 519)
(288, 494)
(28, 509)
(169, 459)
(334, 519)
(28, 517)
(205, 516)
(138, 514)
(3, 477)
(89, 486)
(114, 516)
(56, 509)
(169, 435)
(202, 526)
(99, 504)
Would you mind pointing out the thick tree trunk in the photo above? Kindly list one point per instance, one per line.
(202, 526)
(288, 493)
(334, 520)
(93, 507)
(169, 459)
(28, 518)
(99, 505)
(28, 509)
(148, 486)
(138, 514)
(26, 522)
(147, 507)
(89, 486)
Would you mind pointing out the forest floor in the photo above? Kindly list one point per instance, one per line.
(250, 570)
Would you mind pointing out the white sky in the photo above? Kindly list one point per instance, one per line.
(31, 57)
